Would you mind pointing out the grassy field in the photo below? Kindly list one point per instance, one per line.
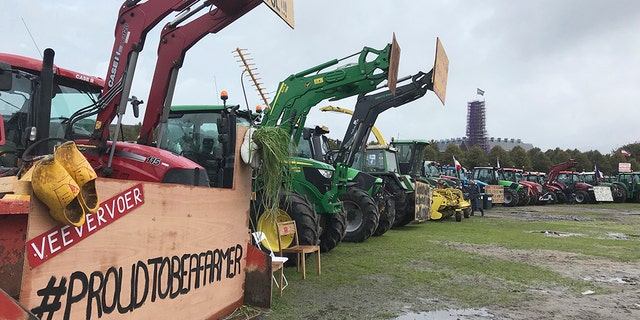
(477, 263)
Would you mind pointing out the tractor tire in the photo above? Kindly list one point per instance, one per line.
(466, 213)
(387, 216)
(401, 203)
(637, 197)
(362, 215)
(510, 198)
(408, 214)
(334, 227)
(523, 197)
(458, 215)
(292, 207)
(561, 197)
(619, 193)
(581, 197)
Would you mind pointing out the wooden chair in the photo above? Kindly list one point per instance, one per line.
(288, 229)
(277, 263)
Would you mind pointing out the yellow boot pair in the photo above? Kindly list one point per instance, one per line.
(65, 182)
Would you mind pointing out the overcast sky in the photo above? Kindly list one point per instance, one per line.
(555, 73)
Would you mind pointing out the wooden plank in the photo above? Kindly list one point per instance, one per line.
(179, 254)
(496, 191)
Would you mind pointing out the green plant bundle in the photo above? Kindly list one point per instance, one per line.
(273, 143)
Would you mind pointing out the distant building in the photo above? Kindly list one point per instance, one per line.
(464, 143)
(477, 132)
(476, 125)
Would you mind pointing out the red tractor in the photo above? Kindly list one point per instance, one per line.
(535, 191)
(567, 185)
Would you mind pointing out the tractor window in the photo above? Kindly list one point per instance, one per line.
(375, 161)
(16, 99)
(304, 149)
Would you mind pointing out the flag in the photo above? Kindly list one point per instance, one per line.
(456, 163)
(625, 153)
(599, 174)
(480, 92)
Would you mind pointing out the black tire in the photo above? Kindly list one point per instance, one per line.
(362, 215)
(581, 197)
(408, 215)
(334, 227)
(561, 197)
(387, 209)
(523, 197)
(298, 208)
(458, 216)
(510, 198)
(619, 193)
(401, 203)
(637, 197)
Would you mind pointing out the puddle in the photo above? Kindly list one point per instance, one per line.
(614, 280)
(559, 234)
(616, 235)
(453, 314)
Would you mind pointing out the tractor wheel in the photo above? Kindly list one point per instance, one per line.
(561, 197)
(523, 197)
(387, 216)
(510, 198)
(291, 207)
(466, 213)
(408, 214)
(581, 197)
(619, 193)
(637, 197)
(334, 227)
(362, 215)
(458, 216)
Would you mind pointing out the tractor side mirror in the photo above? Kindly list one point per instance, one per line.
(5, 76)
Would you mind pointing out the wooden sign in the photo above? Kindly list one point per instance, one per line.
(174, 251)
(624, 167)
(423, 195)
(497, 191)
(283, 8)
(440, 72)
(603, 194)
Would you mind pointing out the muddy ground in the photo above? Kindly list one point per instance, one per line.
(618, 283)
(622, 280)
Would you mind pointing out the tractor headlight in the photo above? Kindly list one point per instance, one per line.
(326, 173)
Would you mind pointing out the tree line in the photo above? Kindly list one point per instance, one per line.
(535, 159)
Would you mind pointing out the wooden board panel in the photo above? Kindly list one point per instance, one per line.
(179, 252)
(497, 191)
(423, 195)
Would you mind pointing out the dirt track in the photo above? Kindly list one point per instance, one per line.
(622, 280)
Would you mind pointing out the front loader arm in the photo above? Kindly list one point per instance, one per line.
(175, 41)
(135, 20)
(369, 107)
(555, 170)
(297, 94)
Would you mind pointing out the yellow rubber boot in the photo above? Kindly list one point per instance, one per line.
(68, 155)
(53, 185)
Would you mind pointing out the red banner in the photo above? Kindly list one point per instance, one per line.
(49, 244)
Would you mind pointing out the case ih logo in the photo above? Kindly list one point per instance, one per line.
(124, 38)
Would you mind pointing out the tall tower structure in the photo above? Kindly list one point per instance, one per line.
(476, 130)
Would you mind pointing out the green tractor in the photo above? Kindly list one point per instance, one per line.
(365, 190)
(631, 183)
(314, 199)
(514, 192)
